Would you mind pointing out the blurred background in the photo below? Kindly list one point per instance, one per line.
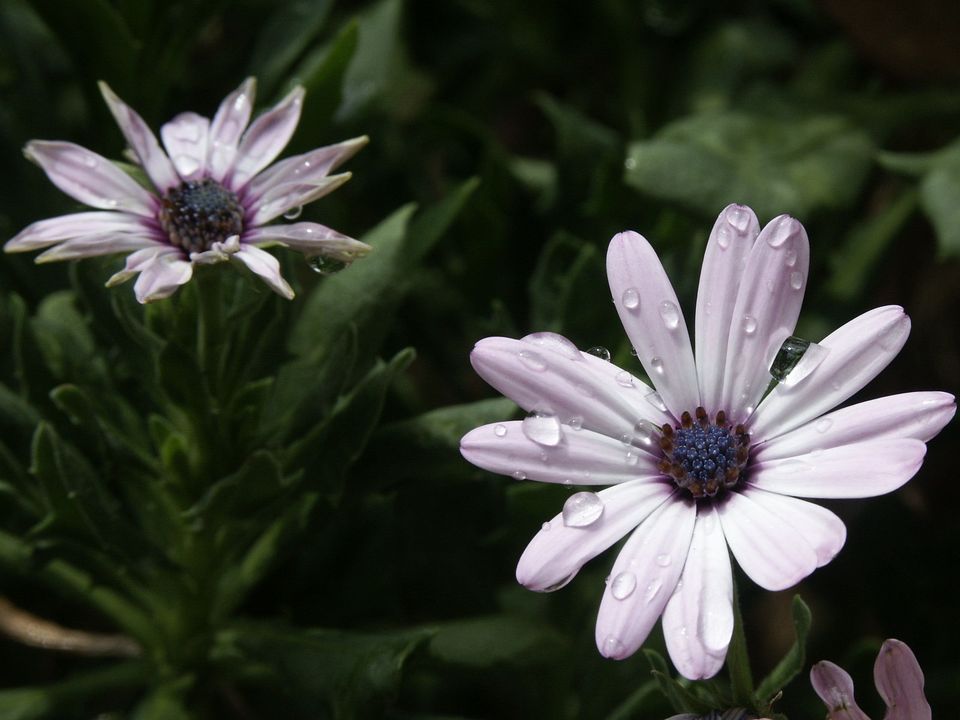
(555, 125)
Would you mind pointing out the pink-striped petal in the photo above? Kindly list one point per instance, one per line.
(643, 578)
(265, 139)
(142, 141)
(283, 198)
(266, 266)
(546, 372)
(651, 315)
(308, 168)
(137, 260)
(558, 551)
(899, 681)
(724, 261)
(579, 457)
(859, 470)
(186, 139)
(45, 233)
(698, 618)
(918, 415)
(765, 313)
(160, 277)
(822, 529)
(89, 178)
(835, 688)
(774, 554)
(226, 128)
(309, 238)
(94, 246)
(858, 351)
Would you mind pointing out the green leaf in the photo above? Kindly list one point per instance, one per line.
(678, 695)
(738, 658)
(800, 165)
(940, 198)
(430, 224)
(286, 33)
(494, 640)
(792, 664)
(168, 701)
(14, 410)
(567, 272)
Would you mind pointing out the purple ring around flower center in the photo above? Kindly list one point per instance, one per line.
(198, 213)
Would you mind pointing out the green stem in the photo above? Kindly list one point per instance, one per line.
(48, 698)
(209, 323)
(738, 660)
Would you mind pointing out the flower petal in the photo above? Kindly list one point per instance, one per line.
(698, 618)
(307, 168)
(765, 313)
(919, 415)
(545, 372)
(859, 470)
(265, 139)
(309, 238)
(161, 276)
(267, 267)
(644, 577)
(557, 552)
(283, 198)
(185, 138)
(724, 261)
(227, 127)
(95, 245)
(142, 141)
(822, 529)
(580, 457)
(899, 681)
(137, 260)
(858, 351)
(835, 688)
(651, 315)
(44, 233)
(772, 553)
(89, 178)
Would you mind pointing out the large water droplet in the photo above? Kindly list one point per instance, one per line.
(812, 358)
(670, 314)
(500, 431)
(749, 324)
(600, 352)
(631, 299)
(664, 559)
(554, 342)
(623, 585)
(739, 217)
(294, 212)
(624, 378)
(543, 429)
(653, 589)
(324, 265)
(823, 425)
(519, 475)
(785, 228)
(534, 361)
(796, 279)
(582, 509)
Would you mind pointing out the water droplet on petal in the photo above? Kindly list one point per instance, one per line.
(575, 422)
(631, 299)
(739, 217)
(519, 475)
(600, 352)
(670, 314)
(500, 431)
(749, 324)
(555, 342)
(812, 358)
(664, 560)
(624, 378)
(823, 425)
(562, 583)
(532, 360)
(582, 509)
(796, 279)
(652, 590)
(613, 648)
(723, 237)
(657, 401)
(543, 429)
(324, 265)
(294, 212)
(790, 257)
(545, 527)
(632, 458)
(656, 364)
(785, 228)
(623, 585)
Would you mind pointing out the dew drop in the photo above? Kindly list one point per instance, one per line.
(582, 509)
(631, 299)
(796, 279)
(632, 458)
(630, 163)
(90, 161)
(562, 583)
(543, 429)
(656, 364)
(324, 265)
(749, 324)
(500, 431)
(532, 360)
(670, 314)
(823, 425)
(664, 560)
(554, 342)
(294, 212)
(812, 358)
(739, 217)
(600, 352)
(575, 422)
(624, 379)
(519, 475)
(545, 527)
(623, 585)
(790, 257)
(613, 648)
(782, 232)
(653, 589)
(723, 237)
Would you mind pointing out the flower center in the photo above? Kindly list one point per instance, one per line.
(198, 213)
(704, 458)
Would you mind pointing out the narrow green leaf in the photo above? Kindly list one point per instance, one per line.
(285, 34)
(494, 640)
(793, 663)
(738, 658)
(939, 193)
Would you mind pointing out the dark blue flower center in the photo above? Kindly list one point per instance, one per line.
(198, 213)
(704, 457)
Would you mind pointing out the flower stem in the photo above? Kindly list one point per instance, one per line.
(209, 323)
(738, 660)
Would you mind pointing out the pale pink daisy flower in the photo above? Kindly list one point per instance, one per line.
(709, 460)
(898, 678)
(211, 199)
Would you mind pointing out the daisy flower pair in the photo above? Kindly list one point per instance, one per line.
(707, 462)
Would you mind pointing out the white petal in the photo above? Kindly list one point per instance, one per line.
(859, 470)
(142, 141)
(44, 233)
(89, 178)
(227, 127)
(765, 314)
(581, 457)
(651, 315)
(185, 138)
(266, 266)
(160, 277)
(545, 374)
(265, 139)
(644, 577)
(771, 552)
(95, 245)
(724, 261)
(137, 260)
(307, 168)
(858, 351)
(557, 552)
(283, 198)
(698, 618)
(822, 529)
(310, 239)
(918, 415)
